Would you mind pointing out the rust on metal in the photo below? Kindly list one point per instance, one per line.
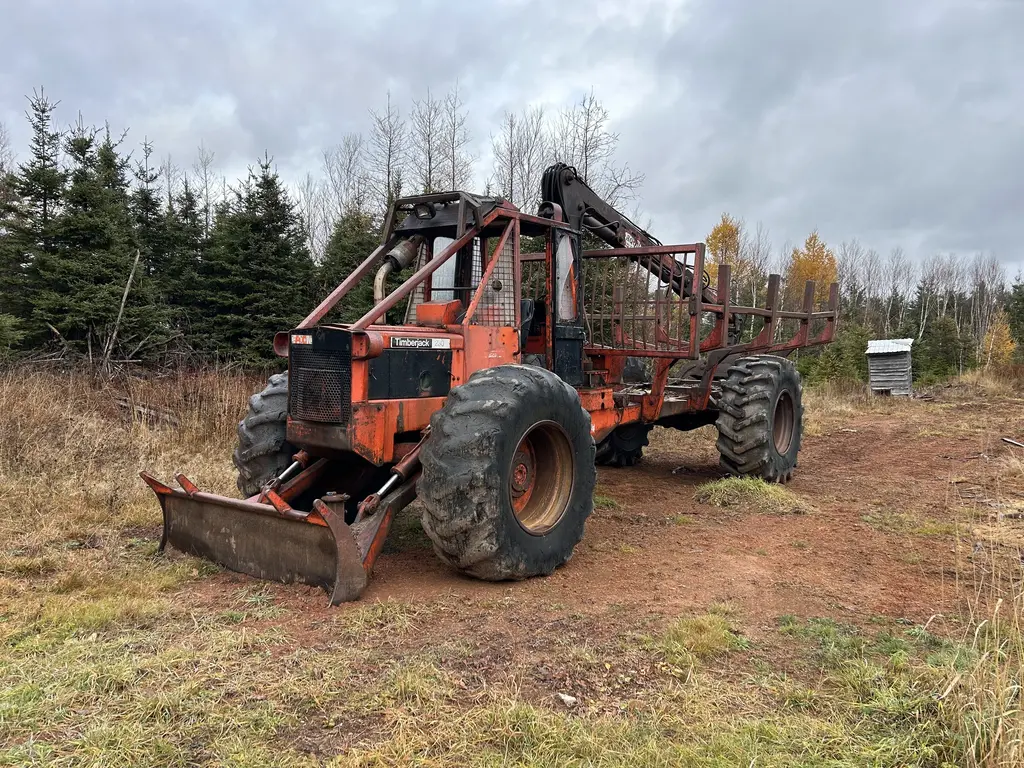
(636, 299)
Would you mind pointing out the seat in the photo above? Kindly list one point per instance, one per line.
(526, 310)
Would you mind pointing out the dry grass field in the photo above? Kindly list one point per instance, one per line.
(868, 614)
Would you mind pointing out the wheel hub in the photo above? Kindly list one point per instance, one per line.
(783, 422)
(523, 470)
(540, 477)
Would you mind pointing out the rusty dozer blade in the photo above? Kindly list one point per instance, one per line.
(263, 536)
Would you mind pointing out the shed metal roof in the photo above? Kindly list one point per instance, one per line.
(888, 346)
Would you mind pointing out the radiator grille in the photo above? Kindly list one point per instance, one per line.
(320, 384)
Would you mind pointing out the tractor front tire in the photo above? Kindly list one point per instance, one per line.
(508, 474)
(760, 420)
(624, 446)
(263, 450)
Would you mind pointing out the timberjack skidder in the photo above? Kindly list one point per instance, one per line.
(509, 375)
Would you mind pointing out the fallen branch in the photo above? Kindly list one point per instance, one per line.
(120, 312)
(147, 413)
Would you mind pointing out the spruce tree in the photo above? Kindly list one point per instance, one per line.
(257, 272)
(1015, 313)
(32, 201)
(353, 239)
(941, 351)
(150, 225)
(78, 287)
(181, 286)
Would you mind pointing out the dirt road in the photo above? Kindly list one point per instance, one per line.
(890, 524)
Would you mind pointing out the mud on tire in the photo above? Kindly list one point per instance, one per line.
(760, 421)
(508, 474)
(263, 449)
(624, 446)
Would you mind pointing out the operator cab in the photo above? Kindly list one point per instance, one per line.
(444, 298)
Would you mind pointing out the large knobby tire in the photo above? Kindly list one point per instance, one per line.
(760, 421)
(508, 474)
(263, 449)
(624, 446)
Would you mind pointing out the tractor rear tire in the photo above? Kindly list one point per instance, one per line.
(263, 449)
(760, 420)
(508, 474)
(624, 446)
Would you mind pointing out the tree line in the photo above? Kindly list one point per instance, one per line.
(960, 310)
(113, 253)
(110, 252)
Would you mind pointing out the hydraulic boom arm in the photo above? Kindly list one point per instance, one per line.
(585, 210)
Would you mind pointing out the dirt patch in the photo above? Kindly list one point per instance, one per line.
(882, 540)
(676, 623)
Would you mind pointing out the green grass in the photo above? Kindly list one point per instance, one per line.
(111, 655)
(893, 521)
(693, 639)
(225, 689)
(605, 502)
(751, 494)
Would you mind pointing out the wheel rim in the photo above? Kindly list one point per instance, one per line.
(783, 422)
(541, 477)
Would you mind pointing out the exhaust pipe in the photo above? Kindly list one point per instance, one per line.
(398, 258)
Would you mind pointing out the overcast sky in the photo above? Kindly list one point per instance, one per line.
(898, 122)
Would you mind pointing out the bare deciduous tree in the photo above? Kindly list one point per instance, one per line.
(346, 180)
(6, 165)
(848, 274)
(316, 215)
(456, 159)
(203, 170)
(580, 138)
(906, 282)
(870, 279)
(929, 286)
(520, 152)
(892, 273)
(388, 153)
(172, 175)
(6, 151)
(756, 257)
(988, 281)
(427, 155)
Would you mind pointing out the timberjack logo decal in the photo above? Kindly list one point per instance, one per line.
(406, 342)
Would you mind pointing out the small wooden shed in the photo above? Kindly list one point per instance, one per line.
(889, 366)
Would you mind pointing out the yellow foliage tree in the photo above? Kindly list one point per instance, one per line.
(998, 347)
(815, 261)
(723, 245)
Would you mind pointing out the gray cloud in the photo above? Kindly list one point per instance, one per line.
(898, 123)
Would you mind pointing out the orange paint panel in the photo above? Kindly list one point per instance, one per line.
(605, 415)
(373, 426)
(360, 380)
(602, 422)
(438, 313)
(370, 432)
(487, 347)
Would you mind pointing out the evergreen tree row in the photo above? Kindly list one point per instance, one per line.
(97, 261)
(106, 257)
